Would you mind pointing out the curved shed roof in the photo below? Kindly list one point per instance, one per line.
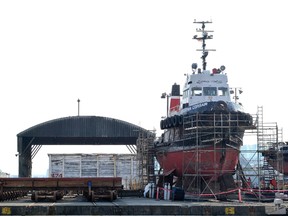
(83, 129)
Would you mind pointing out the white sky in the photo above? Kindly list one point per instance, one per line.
(117, 57)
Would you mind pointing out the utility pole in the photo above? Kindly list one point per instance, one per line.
(78, 106)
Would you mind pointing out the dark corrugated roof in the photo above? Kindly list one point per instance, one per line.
(83, 129)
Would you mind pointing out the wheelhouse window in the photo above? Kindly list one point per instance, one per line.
(185, 93)
(210, 91)
(222, 91)
(196, 91)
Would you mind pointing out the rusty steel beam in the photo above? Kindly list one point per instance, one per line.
(8, 184)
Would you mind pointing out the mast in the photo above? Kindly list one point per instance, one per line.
(205, 36)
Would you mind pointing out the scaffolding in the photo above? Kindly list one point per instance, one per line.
(145, 156)
(215, 136)
(255, 165)
(207, 169)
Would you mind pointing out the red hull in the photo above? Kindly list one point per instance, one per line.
(207, 162)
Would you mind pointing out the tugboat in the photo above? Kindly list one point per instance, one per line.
(204, 126)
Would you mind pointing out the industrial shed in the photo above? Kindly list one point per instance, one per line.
(76, 130)
(97, 165)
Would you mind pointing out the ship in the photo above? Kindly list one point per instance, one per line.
(277, 156)
(204, 127)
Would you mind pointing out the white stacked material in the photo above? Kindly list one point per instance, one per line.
(96, 165)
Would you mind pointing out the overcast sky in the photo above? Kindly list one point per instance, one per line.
(117, 57)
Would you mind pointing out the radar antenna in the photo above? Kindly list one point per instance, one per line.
(205, 36)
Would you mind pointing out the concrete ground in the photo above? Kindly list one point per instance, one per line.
(77, 205)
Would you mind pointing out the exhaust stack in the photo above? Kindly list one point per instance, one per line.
(174, 100)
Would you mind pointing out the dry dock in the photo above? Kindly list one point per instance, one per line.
(133, 206)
